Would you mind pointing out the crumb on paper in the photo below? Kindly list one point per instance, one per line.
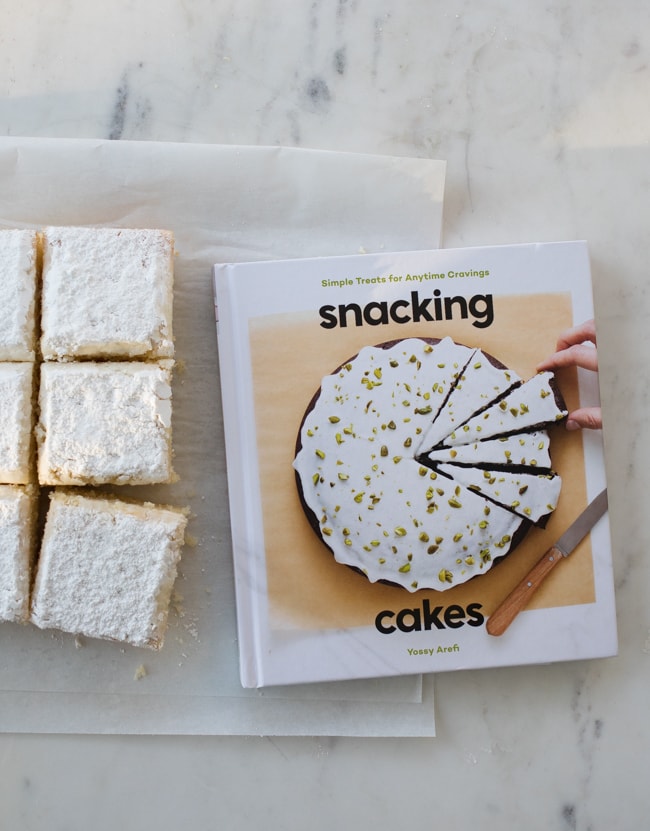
(79, 642)
(140, 673)
(362, 250)
(191, 541)
(177, 604)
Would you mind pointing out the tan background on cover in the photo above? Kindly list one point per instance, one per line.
(307, 588)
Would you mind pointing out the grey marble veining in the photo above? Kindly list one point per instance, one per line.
(543, 114)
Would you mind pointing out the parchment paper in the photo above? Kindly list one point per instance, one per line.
(223, 204)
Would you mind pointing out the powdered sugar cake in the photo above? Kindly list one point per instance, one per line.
(107, 568)
(107, 293)
(18, 508)
(18, 259)
(16, 422)
(105, 423)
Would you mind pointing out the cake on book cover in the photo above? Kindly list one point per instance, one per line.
(397, 464)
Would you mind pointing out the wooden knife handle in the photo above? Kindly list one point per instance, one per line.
(507, 611)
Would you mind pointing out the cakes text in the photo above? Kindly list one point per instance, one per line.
(479, 307)
(426, 617)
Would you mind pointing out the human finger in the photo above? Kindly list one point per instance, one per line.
(580, 354)
(577, 334)
(587, 417)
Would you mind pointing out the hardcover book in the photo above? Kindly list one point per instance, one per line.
(399, 463)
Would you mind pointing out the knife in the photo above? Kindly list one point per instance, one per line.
(508, 610)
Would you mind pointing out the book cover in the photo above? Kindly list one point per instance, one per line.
(397, 464)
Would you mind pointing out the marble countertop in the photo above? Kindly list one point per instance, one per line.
(542, 113)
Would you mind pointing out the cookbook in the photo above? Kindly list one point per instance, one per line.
(399, 460)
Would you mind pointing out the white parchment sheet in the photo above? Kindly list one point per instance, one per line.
(223, 203)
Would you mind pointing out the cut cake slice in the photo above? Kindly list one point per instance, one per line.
(482, 381)
(18, 509)
(107, 293)
(524, 449)
(532, 496)
(107, 568)
(105, 423)
(16, 423)
(535, 404)
(18, 256)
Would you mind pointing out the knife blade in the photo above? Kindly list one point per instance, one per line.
(508, 610)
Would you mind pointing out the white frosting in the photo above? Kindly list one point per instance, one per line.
(530, 449)
(530, 405)
(107, 568)
(17, 520)
(105, 423)
(107, 292)
(17, 292)
(480, 383)
(530, 495)
(378, 508)
(16, 422)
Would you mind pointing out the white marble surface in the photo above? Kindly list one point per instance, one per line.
(543, 114)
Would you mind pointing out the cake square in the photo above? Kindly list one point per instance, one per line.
(16, 422)
(18, 255)
(105, 423)
(107, 568)
(107, 292)
(18, 508)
